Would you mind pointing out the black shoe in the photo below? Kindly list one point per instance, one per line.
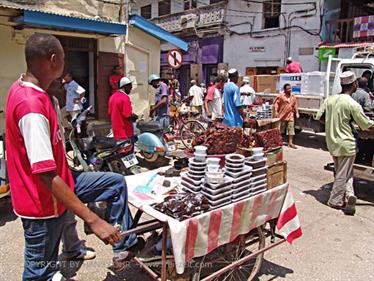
(350, 209)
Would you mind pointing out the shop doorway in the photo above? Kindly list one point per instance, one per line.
(80, 61)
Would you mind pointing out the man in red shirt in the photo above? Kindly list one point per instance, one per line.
(41, 182)
(120, 111)
(114, 78)
(293, 66)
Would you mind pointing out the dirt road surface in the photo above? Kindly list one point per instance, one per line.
(333, 247)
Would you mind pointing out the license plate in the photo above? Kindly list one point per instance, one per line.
(129, 160)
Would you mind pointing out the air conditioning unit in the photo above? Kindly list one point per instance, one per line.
(188, 21)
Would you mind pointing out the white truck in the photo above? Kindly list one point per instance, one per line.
(310, 104)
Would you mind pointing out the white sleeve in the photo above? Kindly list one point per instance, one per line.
(80, 90)
(36, 134)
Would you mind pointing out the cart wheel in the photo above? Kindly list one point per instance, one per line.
(243, 246)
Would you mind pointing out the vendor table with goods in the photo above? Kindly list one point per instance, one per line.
(217, 221)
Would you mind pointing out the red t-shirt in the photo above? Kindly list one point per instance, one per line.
(120, 111)
(294, 67)
(34, 145)
(210, 93)
(114, 79)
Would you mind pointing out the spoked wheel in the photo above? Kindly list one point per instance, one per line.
(190, 130)
(225, 255)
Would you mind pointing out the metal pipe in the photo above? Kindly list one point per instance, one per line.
(241, 261)
(142, 229)
(149, 271)
(164, 250)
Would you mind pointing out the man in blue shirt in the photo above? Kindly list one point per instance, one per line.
(234, 114)
(161, 107)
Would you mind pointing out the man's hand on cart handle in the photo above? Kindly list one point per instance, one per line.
(105, 232)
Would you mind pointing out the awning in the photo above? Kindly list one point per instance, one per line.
(50, 20)
(158, 32)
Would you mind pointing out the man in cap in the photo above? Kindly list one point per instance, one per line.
(197, 97)
(293, 66)
(247, 93)
(120, 111)
(161, 108)
(234, 114)
(337, 112)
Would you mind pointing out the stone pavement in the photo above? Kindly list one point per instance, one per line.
(333, 246)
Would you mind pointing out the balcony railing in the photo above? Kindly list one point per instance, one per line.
(341, 31)
(205, 16)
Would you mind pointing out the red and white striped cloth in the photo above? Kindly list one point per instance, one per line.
(202, 234)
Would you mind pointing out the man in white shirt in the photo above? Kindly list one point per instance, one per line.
(74, 95)
(213, 100)
(247, 93)
(197, 94)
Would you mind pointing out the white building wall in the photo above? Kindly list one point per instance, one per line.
(247, 19)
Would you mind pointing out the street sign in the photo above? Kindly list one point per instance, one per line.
(174, 58)
(324, 53)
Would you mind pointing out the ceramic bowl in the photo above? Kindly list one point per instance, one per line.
(200, 157)
(213, 168)
(214, 161)
(234, 158)
(200, 149)
(193, 162)
(257, 157)
(257, 150)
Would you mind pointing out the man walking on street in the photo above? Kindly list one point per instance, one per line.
(41, 182)
(161, 108)
(120, 111)
(338, 112)
(197, 97)
(234, 115)
(286, 110)
(213, 100)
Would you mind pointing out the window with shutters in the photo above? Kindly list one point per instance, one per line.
(164, 8)
(271, 13)
(146, 11)
(190, 4)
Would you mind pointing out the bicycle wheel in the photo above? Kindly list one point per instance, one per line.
(243, 246)
(189, 131)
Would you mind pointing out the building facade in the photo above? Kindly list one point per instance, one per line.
(255, 37)
(201, 24)
(96, 35)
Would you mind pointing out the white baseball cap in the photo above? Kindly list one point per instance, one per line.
(246, 79)
(232, 71)
(124, 81)
(347, 77)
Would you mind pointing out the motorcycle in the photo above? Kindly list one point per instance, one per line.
(99, 153)
(154, 143)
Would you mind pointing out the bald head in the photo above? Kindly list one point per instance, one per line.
(41, 46)
(44, 57)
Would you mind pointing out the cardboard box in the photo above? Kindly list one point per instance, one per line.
(267, 83)
(294, 79)
(277, 174)
(274, 156)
